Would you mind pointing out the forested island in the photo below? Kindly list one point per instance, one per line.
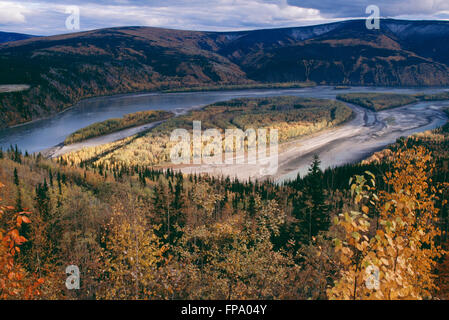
(294, 117)
(114, 125)
(383, 101)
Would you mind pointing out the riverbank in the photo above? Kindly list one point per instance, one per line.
(236, 87)
(109, 126)
(6, 88)
(367, 133)
(62, 149)
(275, 85)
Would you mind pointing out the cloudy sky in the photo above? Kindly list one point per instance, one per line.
(46, 17)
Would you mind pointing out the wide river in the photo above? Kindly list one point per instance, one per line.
(43, 134)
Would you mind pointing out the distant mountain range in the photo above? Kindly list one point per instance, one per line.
(66, 68)
(11, 36)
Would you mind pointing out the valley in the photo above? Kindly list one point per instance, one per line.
(65, 69)
(369, 131)
(293, 163)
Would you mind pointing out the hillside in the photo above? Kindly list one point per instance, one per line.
(199, 237)
(64, 69)
(12, 36)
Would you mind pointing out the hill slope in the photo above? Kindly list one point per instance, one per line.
(12, 36)
(64, 69)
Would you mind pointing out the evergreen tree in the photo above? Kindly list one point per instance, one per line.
(17, 156)
(50, 175)
(252, 206)
(58, 178)
(16, 177)
(310, 209)
(19, 192)
(43, 200)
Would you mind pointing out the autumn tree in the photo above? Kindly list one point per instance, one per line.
(15, 282)
(131, 258)
(396, 260)
(227, 261)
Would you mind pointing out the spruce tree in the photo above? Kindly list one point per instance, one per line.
(309, 207)
(19, 192)
(318, 219)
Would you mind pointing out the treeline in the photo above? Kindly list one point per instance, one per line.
(276, 85)
(383, 101)
(113, 125)
(378, 101)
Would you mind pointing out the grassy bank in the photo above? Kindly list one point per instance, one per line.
(117, 124)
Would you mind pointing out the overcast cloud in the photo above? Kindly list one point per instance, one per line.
(43, 17)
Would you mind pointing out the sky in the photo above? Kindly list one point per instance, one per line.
(49, 17)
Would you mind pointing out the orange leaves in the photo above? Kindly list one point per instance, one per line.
(14, 281)
(22, 218)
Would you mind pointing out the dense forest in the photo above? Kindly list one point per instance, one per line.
(140, 233)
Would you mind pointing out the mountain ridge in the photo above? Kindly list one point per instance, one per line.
(13, 36)
(63, 69)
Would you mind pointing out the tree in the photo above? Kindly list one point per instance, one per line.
(225, 261)
(19, 192)
(15, 282)
(396, 260)
(43, 200)
(131, 258)
(309, 208)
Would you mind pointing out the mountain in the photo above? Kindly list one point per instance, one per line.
(66, 68)
(11, 36)
(401, 53)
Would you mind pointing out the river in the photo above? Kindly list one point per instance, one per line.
(368, 132)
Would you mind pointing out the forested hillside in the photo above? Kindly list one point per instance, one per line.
(63, 69)
(139, 233)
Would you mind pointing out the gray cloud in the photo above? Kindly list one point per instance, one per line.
(48, 17)
(389, 8)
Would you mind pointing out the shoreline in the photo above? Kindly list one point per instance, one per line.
(160, 91)
(61, 149)
(144, 92)
(370, 131)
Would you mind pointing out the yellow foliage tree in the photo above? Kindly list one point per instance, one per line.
(396, 260)
(132, 255)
